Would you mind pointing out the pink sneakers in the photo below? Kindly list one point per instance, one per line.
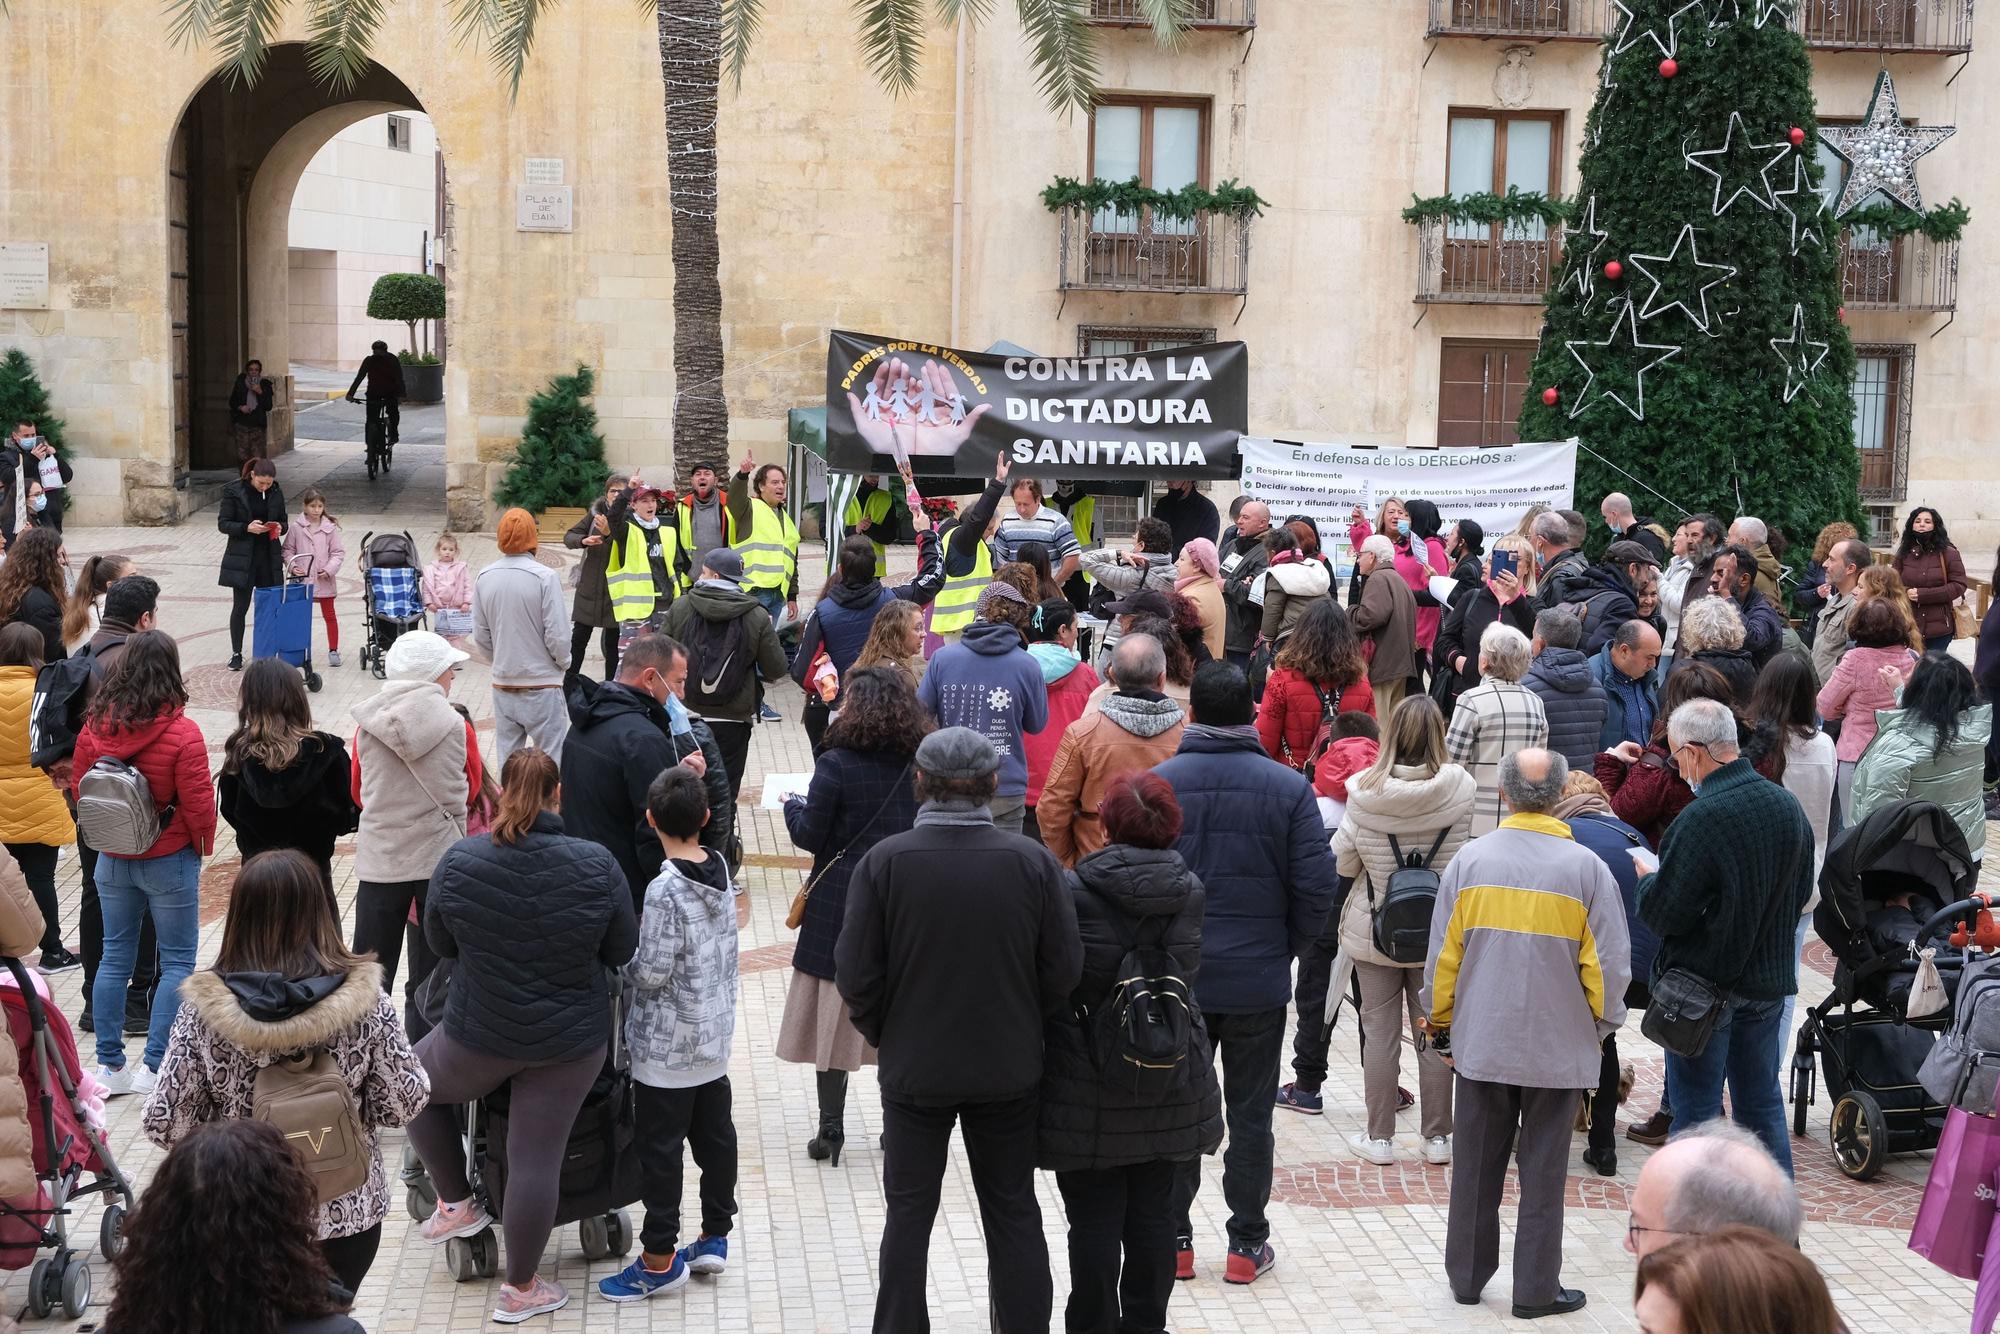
(455, 1220)
(538, 1298)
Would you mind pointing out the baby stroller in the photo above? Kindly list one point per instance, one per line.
(1884, 880)
(600, 1167)
(66, 1149)
(390, 597)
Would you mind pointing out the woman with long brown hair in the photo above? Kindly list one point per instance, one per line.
(93, 580)
(1883, 583)
(534, 919)
(1734, 1280)
(1319, 672)
(896, 639)
(33, 589)
(284, 783)
(283, 984)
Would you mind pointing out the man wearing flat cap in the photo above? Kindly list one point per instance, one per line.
(960, 942)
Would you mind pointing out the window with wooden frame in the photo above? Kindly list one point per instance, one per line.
(1163, 141)
(1884, 374)
(1490, 152)
(1481, 384)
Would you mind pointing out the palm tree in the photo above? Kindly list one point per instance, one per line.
(698, 39)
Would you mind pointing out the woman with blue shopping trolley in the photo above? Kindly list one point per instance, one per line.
(252, 513)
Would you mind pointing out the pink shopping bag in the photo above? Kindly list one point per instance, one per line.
(1956, 1215)
(1986, 1304)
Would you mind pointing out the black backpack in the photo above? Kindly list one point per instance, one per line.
(719, 662)
(1329, 709)
(1402, 918)
(1142, 1031)
(56, 716)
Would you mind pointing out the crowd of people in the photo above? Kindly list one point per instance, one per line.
(1066, 891)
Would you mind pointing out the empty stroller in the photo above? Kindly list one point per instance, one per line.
(67, 1150)
(1883, 880)
(391, 599)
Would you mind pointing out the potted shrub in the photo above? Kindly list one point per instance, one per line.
(559, 467)
(410, 297)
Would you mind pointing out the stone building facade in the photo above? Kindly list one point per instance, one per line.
(841, 206)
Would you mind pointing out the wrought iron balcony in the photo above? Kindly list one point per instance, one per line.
(1219, 15)
(1106, 251)
(1910, 272)
(1937, 26)
(1477, 264)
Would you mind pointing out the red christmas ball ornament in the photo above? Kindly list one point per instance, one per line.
(1614, 270)
(1669, 67)
(1549, 396)
(1798, 137)
(1842, 314)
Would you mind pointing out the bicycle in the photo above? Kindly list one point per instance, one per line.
(376, 432)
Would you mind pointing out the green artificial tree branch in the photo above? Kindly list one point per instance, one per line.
(1130, 196)
(1514, 206)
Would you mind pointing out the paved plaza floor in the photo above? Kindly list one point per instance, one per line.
(1360, 1248)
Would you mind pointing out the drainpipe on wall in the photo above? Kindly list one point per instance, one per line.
(957, 177)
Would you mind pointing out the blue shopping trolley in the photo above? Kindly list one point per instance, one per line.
(283, 626)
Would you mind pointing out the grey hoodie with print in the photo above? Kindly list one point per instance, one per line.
(683, 978)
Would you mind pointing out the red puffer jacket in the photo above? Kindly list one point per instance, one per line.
(1291, 712)
(1647, 795)
(170, 751)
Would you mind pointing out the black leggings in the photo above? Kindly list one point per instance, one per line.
(38, 864)
(239, 611)
(579, 644)
(350, 1257)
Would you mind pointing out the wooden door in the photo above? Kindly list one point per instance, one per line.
(1481, 385)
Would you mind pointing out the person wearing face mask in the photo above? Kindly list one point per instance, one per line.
(647, 568)
(252, 513)
(47, 476)
(622, 734)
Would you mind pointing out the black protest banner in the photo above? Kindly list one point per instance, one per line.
(1173, 415)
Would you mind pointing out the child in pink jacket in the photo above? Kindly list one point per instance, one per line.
(447, 588)
(318, 536)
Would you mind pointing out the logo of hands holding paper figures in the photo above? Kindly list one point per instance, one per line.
(907, 411)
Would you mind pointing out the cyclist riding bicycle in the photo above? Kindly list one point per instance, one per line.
(384, 374)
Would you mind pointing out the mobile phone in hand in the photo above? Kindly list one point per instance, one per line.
(1504, 563)
(1645, 859)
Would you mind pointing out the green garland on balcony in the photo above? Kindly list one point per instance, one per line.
(1180, 205)
(1942, 222)
(1514, 206)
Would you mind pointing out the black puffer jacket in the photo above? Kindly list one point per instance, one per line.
(618, 744)
(1608, 602)
(251, 560)
(533, 926)
(1574, 702)
(1085, 1124)
(305, 806)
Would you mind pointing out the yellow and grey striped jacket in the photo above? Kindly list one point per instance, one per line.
(1529, 957)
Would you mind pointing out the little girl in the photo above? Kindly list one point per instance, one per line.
(318, 536)
(447, 587)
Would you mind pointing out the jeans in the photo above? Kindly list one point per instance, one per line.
(1000, 1140)
(700, 1117)
(1938, 643)
(90, 937)
(1744, 1054)
(169, 888)
(38, 865)
(1251, 1047)
(1121, 1247)
(1009, 813)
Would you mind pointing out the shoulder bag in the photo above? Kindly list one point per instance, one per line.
(1686, 1007)
(797, 913)
(1963, 624)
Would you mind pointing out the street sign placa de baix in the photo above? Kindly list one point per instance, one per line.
(543, 208)
(24, 275)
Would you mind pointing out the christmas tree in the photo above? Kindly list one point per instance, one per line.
(561, 458)
(22, 398)
(1694, 341)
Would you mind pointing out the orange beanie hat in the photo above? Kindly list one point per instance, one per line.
(517, 532)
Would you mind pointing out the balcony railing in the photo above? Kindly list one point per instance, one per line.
(1940, 26)
(1223, 15)
(1480, 265)
(1138, 252)
(1910, 272)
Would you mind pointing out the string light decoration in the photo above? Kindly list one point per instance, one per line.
(1626, 320)
(1799, 355)
(1728, 166)
(691, 70)
(1688, 270)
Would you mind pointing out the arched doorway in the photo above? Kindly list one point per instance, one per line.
(237, 157)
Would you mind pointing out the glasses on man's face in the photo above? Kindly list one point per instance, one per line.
(1633, 1232)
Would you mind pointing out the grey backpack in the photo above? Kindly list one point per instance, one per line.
(1964, 1067)
(115, 811)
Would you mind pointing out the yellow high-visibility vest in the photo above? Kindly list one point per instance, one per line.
(1082, 517)
(876, 511)
(687, 525)
(629, 578)
(771, 552)
(958, 601)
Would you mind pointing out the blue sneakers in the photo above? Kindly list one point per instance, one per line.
(635, 1282)
(1301, 1100)
(705, 1255)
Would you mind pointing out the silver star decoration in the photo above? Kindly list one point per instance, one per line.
(1804, 358)
(1655, 306)
(1608, 86)
(1760, 193)
(1583, 263)
(1881, 153)
(1627, 320)
(1629, 36)
(1780, 10)
(1806, 233)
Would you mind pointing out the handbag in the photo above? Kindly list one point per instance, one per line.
(1963, 624)
(1956, 1214)
(796, 914)
(1687, 1006)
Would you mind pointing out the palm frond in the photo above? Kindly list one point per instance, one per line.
(1170, 19)
(740, 21)
(241, 30)
(342, 35)
(950, 12)
(892, 41)
(188, 21)
(1064, 50)
(506, 28)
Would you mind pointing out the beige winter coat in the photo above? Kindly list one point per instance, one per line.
(410, 745)
(20, 932)
(1413, 805)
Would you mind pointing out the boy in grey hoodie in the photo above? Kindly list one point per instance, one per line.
(683, 1016)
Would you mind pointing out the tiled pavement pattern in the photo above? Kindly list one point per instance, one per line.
(1359, 1247)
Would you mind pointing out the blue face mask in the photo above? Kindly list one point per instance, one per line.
(677, 716)
(38, 503)
(1402, 527)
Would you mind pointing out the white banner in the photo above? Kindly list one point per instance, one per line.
(1325, 482)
